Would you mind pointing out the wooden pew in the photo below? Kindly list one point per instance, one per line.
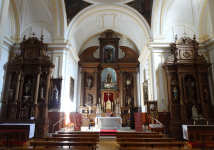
(75, 135)
(137, 133)
(92, 139)
(127, 139)
(140, 136)
(87, 144)
(140, 145)
(77, 132)
(32, 148)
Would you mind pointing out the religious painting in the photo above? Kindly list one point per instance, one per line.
(144, 7)
(73, 7)
(145, 92)
(71, 89)
(190, 88)
(109, 53)
(152, 109)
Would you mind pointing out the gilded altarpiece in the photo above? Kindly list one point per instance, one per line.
(29, 86)
(118, 83)
(187, 83)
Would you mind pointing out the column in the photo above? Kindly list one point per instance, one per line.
(121, 88)
(180, 89)
(82, 87)
(95, 101)
(135, 88)
(47, 87)
(17, 87)
(37, 88)
(200, 88)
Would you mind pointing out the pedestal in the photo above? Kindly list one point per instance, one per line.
(108, 110)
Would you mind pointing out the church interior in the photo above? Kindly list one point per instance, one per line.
(106, 74)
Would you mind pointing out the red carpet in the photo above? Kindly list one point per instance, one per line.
(108, 132)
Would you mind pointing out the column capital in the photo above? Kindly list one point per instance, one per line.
(121, 73)
(95, 73)
(134, 73)
(82, 72)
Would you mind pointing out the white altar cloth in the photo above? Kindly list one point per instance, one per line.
(184, 128)
(32, 127)
(108, 123)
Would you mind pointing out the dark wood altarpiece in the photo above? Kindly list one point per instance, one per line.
(125, 69)
(188, 86)
(29, 86)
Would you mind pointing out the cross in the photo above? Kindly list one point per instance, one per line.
(108, 95)
(33, 34)
(184, 34)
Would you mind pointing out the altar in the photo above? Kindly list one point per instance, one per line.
(108, 123)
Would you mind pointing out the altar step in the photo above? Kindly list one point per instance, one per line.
(108, 132)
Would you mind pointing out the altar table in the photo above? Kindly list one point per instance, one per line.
(31, 127)
(112, 123)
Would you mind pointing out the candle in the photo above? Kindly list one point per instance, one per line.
(117, 100)
(207, 123)
(194, 122)
(99, 100)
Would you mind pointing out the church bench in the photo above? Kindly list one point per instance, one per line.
(42, 148)
(150, 144)
(140, 136)
(144, 139)
(87, 144)
(75, 135)
(93, 139)
(74, 132)
(137, 133)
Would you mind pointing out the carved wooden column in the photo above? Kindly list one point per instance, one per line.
(169, 87)
(95, 101)
(37, 88)
(135, 88)
(180, 89)
(82, 87)
(121, 88)
(17, 87)
(200, 88)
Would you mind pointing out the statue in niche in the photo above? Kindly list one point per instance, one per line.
(28, 87)
(89, 81)
(24, 111)
(128, 101)
(108, 49)
(42, 93)
(89, 99)
(128, 81)
(108, 84)
(175, 91)
(190, 89)
(11, 93)
(194, 113)
(206, 94)
(55, 94)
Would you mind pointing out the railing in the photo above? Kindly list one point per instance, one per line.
(161, 124)
(57, 123)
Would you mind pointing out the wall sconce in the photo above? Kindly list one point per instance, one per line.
(164, 113)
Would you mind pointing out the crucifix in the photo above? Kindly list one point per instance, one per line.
(108, 95)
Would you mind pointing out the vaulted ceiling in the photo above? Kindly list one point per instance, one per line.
(169, 17)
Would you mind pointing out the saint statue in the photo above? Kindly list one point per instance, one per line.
(194, 113)
(109, 78)
(128, 100)
(41, 92)
(55, 94)
(89, 101)
(89, 83)
(11, 93)
(190, 89)
(206, 94)
(128, 81)
(175, 91)
(28, 86)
